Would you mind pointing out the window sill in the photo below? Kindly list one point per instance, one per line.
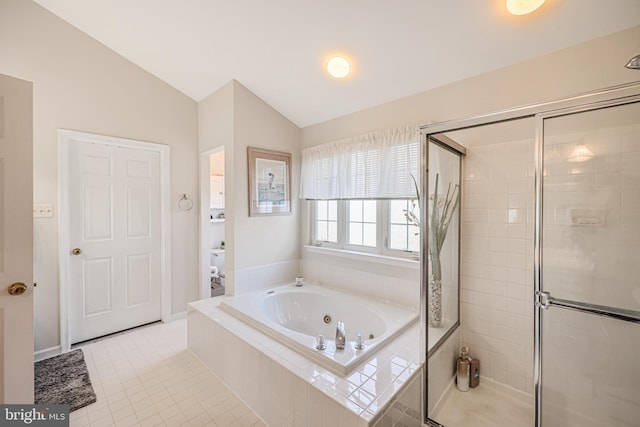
(363, 256)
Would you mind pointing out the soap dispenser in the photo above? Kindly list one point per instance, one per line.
(474, 374)
(464, 370)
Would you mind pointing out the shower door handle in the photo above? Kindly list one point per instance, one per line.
(545, 300)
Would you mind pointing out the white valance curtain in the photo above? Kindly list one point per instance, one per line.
(377, 165)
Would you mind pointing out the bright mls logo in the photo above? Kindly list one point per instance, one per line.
(34, 415)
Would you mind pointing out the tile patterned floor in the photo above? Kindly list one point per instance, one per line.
(485, 406)
(147, 377)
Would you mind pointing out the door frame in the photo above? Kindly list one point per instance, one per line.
(205, 221)
(65, 138)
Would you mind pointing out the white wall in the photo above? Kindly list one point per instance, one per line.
(216, 165)
(79, 84)
(236, 118)
(215, 122)
(256, 124)
(595, 64)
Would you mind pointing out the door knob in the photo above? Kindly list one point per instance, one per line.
(17, 288)
(76, 251)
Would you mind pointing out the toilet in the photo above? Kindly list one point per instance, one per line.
(217, 272)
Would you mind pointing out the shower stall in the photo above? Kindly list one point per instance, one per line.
(546, 293)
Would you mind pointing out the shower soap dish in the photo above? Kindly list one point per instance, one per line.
(587, 217)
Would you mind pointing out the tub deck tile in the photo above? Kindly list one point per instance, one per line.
(364, 393)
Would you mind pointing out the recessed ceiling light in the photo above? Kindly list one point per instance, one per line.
(338, 67)
(522, 7)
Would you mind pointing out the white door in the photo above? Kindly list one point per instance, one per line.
(115, 237)
(216, 188)
(16, 241)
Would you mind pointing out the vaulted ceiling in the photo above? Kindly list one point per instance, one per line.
(278, 48)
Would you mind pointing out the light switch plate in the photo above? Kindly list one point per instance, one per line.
(42, 210)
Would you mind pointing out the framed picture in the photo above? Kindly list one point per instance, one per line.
(269, 182)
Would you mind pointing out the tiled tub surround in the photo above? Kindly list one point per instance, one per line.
(497, 261)
(264, 276)
(287, 389)
(297, 315)
(380, 277)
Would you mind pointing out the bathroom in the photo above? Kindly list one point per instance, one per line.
(217, 221)
(494, 235)
(237, 118)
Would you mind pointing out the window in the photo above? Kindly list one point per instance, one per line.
(326, 229)
(404, 234)
(378, 226)
(376, 165)
(361, 190)
(362, 223)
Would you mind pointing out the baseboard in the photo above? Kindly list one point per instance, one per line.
(444, 396)
(46, 353)
(178, 316)
(507, 390)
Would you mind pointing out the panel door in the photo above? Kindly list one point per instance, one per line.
(114, 258)
(217, 191)
(16, 240)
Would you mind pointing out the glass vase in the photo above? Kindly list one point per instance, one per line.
(435, 303)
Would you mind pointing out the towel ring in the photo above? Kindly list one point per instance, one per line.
(185, 203)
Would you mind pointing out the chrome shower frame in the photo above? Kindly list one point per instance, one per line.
(616, 95)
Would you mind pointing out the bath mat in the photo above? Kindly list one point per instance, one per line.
(64, 379)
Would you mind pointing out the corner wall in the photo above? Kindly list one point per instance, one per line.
(497, 288)
(80, 84)
(260, 251)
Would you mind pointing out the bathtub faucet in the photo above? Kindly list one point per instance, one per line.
(340, 336)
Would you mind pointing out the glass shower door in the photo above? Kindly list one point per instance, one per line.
(590, 268)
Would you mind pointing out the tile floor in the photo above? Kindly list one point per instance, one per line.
(147, 377)
(485, 406)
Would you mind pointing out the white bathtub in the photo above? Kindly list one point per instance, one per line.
(295, 316)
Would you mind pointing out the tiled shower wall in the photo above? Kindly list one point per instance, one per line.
(497, 261)
(591, 211)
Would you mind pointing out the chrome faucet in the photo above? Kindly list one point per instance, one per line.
(340, 336)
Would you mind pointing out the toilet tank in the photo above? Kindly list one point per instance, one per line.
(217, 259)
